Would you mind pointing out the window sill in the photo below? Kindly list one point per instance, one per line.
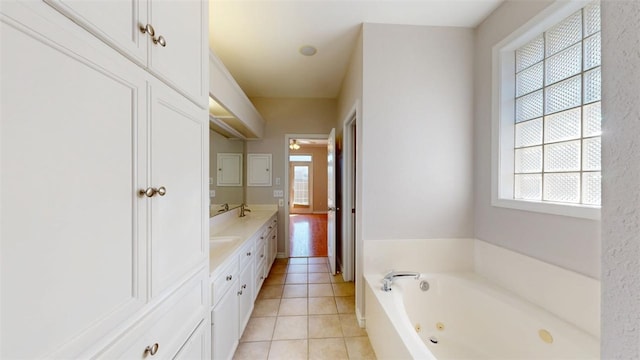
(577, 211)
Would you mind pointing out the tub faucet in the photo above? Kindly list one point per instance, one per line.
(388, 279)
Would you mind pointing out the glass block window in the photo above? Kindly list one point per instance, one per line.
(557, 113)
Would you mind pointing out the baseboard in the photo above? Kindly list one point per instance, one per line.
(361, 320)
(281, 255)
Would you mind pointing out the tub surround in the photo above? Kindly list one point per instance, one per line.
(421, 255)
(564, 293)
(570, 296)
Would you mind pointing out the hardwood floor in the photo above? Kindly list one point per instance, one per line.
(307, 235)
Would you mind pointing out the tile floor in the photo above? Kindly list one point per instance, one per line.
(303, 312)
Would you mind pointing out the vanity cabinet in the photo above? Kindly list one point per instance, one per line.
(104, 197)
(235, 284)
(272, 241)
(168, 38)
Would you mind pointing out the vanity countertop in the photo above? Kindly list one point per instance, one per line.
(232, 233)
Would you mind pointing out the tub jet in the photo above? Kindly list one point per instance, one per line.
(424, 285)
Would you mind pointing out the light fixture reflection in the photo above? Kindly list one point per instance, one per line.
(293, 145)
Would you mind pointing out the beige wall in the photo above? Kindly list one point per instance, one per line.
(417, 132)
(232, 195)
(568, 242)
(319, 169)
(286, 116)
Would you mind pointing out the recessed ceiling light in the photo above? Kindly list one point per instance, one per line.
(308, 50)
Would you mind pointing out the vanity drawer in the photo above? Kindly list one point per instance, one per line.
(166, 329)
(260, 250)
(260, 276)
(224, 281)
(246, 254)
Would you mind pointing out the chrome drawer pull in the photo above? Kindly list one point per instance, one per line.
(249, 253)
(229, 277)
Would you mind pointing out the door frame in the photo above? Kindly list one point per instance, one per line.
(287, 139)
(349, 196)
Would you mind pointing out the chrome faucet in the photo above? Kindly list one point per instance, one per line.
(225, 207)
(243, 210)
(391, 275)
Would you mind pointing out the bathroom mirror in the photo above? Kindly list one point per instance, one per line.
(221, 190)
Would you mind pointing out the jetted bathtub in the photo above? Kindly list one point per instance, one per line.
(464, 316)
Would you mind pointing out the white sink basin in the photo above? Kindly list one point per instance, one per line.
(229, 238)
(220, 245)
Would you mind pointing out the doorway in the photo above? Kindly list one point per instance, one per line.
(349, 197)
(301, 184)
(306, 196)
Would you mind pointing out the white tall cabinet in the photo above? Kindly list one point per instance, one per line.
(92, 113)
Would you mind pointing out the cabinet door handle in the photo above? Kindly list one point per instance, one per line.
(162, 191)
(244, 286)
(249, 253)
(148, 192)
(239, 292)
(229, 277)
(261, 256)
(148, 29)
(160, 40)
(153, 349)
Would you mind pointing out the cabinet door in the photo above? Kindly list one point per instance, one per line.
(273, 246)
(229, 169)
(246, 284)
(197, 345)
(225, 326)
(72, 253)
(259, 170)
(115, 22)
(183, 62)
(178, 146)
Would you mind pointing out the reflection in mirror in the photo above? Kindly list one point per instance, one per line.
(222, 191)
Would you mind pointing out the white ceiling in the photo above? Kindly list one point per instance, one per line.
(258, 40)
